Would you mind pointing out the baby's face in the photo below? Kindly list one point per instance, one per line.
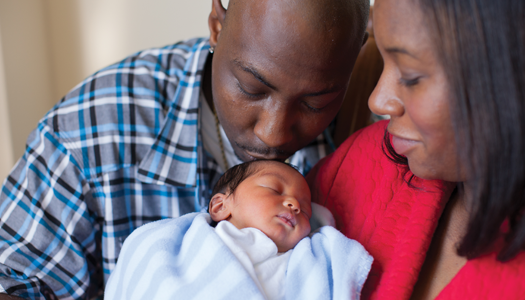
(275, 200)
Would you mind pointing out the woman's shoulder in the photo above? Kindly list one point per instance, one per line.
(486, 278)
(366, 142)
(359, 151)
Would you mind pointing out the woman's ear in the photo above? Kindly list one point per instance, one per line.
(216, 21)
(219, 207)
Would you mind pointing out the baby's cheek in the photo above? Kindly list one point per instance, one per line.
(306, 230)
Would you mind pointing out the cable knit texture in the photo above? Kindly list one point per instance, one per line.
(373, 204)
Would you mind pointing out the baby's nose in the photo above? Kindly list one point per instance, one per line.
(293, 205)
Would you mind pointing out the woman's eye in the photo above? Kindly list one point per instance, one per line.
(247, 94)
(409, 82)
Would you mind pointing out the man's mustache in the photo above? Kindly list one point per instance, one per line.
(264, 151)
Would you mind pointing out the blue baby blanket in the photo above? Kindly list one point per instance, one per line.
(184, 258)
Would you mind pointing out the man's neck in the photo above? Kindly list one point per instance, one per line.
(206, 82)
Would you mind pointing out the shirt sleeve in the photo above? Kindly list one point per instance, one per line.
(47, 232)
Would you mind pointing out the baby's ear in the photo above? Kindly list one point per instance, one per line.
(219, 208)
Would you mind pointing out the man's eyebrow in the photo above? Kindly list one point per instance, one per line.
(254, 72)
(395, 50)
(259, 77)
(324, 92)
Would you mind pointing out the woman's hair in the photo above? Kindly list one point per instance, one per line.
(399, 159)
(481, 44)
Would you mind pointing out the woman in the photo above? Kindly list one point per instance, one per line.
(437, 193)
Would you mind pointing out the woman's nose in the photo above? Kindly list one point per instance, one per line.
(384, 99)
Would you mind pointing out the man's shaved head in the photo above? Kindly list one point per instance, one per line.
(319, 16)
(280, 70)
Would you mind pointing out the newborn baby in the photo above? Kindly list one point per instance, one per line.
(257, 246)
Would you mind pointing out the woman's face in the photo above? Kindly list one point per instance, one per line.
(414, 91)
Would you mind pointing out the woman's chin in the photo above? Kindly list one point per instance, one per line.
(431, 173)
(422, 171)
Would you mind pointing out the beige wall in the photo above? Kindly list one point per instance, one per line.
(49, 46)
(26, 67)
(6, 151)
(87, 35)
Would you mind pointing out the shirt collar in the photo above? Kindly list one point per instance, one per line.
(173, 158)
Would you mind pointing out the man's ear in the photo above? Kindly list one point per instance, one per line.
(216, 21)
(219, 207)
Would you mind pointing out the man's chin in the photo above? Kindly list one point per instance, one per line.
(240, 157)
(241, 154)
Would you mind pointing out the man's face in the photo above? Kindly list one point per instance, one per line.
(275, 200)
(277, 82)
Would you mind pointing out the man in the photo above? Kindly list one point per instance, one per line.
(146, 138)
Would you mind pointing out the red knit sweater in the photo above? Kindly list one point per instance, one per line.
(374, 205)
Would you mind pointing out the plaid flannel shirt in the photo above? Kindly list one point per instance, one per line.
(120, 150)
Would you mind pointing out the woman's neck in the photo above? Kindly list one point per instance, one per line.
(455, 216)
(442, 262)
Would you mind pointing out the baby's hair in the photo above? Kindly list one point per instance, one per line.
(231, 179)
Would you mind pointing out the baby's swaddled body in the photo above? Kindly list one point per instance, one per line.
(186, 258)
(258, 255)
(261, 248)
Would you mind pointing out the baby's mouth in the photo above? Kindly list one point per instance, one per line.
(288, 219)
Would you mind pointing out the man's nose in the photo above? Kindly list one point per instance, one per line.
(384, 99)
(274, 125)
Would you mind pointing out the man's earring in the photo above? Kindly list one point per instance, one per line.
(212, 49)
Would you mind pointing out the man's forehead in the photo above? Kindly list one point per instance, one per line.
(309, 32)
(317, 13)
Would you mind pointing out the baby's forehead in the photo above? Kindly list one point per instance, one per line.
(265, 166)
(279, 170)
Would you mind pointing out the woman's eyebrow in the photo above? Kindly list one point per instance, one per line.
(397, 50)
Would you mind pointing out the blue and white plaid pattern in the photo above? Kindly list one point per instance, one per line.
(121, 150)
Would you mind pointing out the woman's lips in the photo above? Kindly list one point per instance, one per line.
(402, 146)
